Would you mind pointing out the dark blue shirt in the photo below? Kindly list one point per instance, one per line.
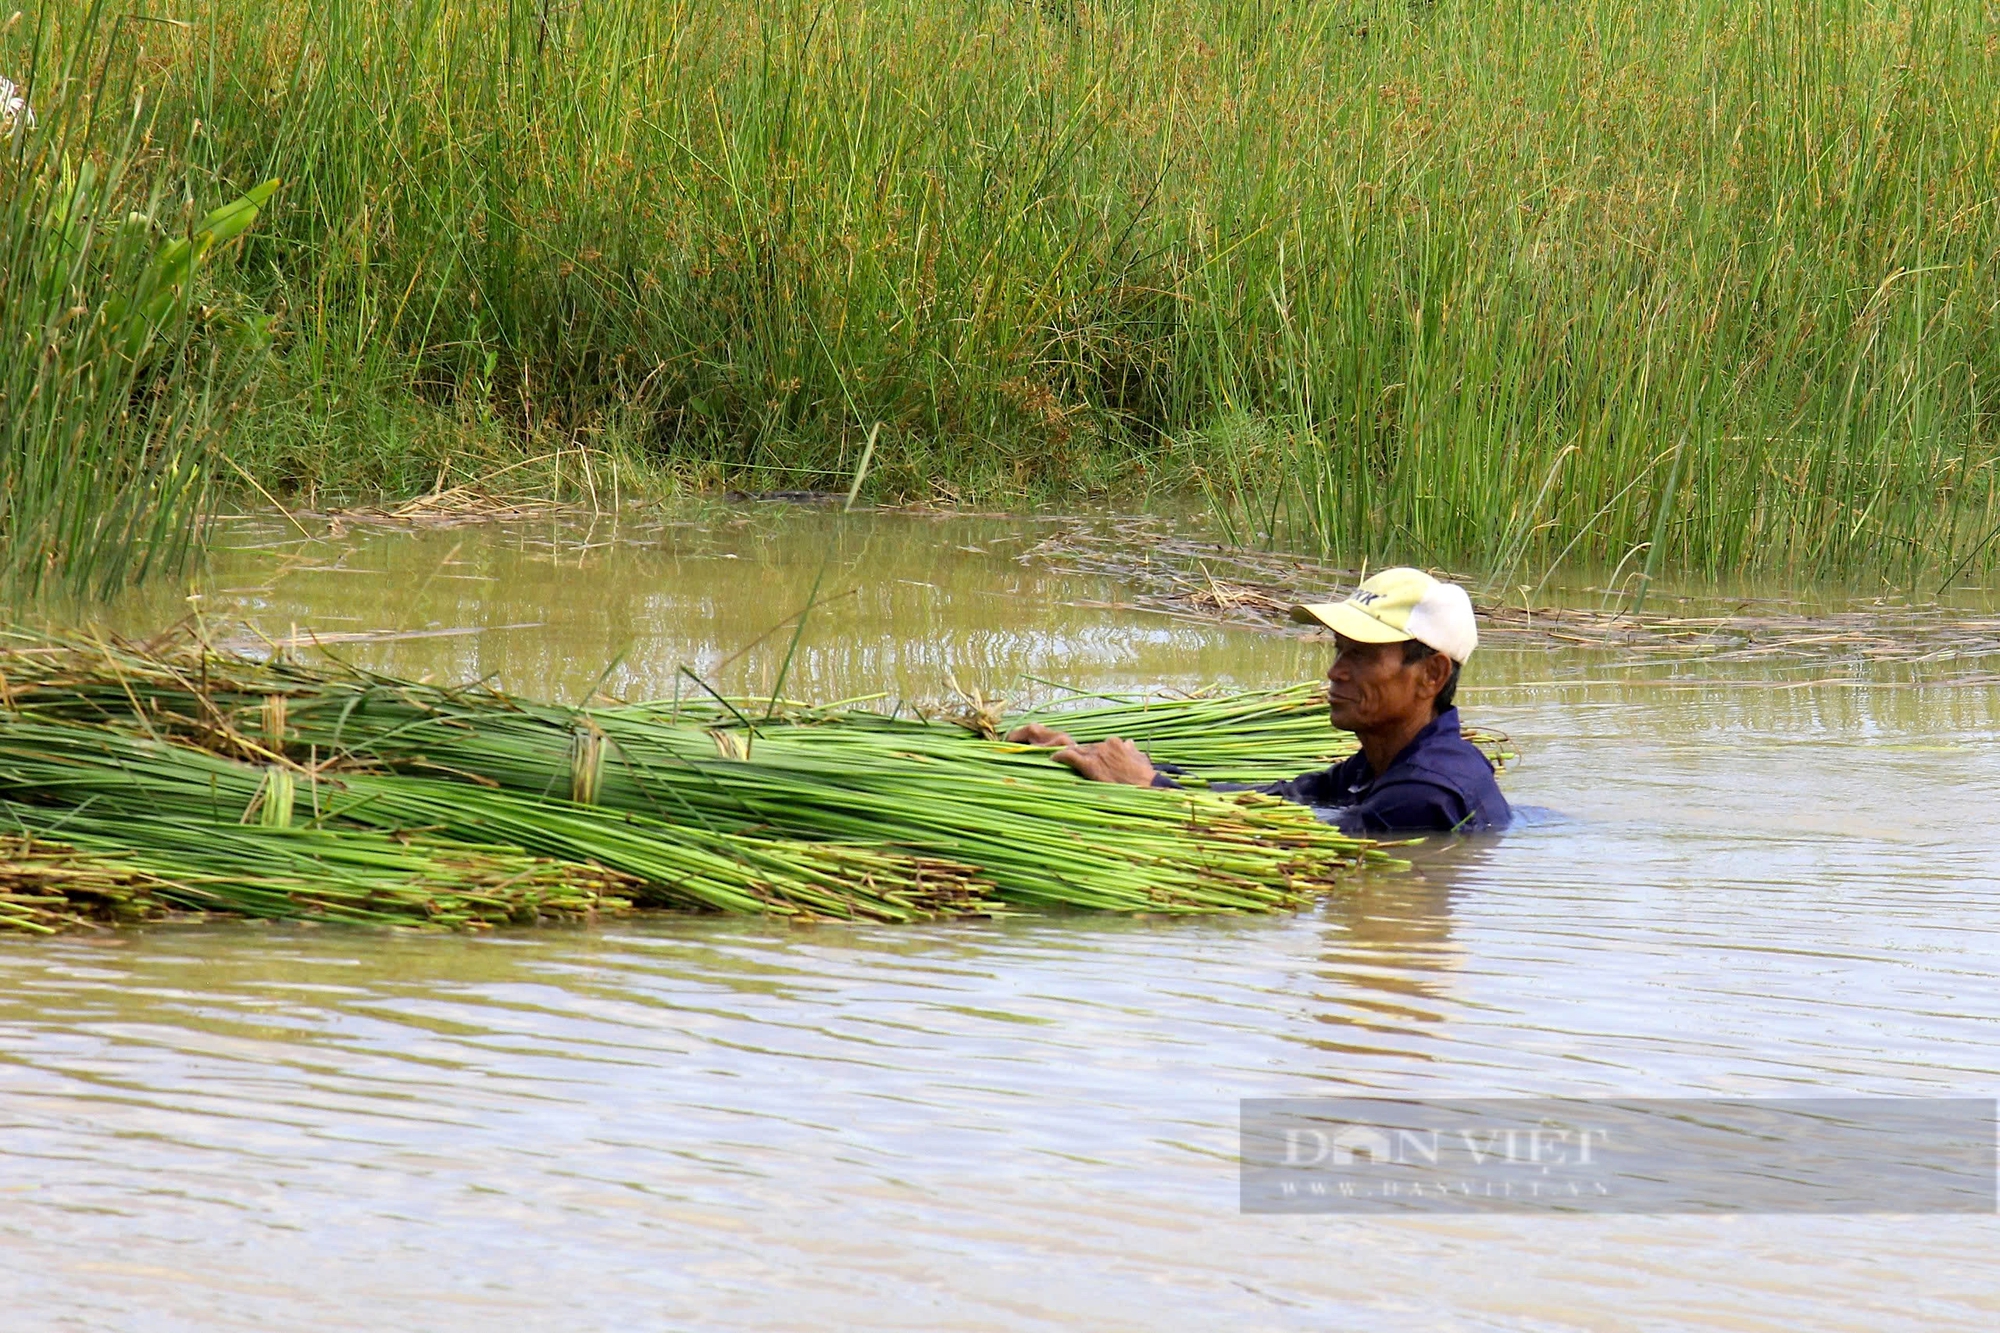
(1439, 783)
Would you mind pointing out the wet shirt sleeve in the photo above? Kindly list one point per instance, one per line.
(1402, 808)
(1405, 807)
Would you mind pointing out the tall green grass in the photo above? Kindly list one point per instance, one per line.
(1694, 284)
(113, 377)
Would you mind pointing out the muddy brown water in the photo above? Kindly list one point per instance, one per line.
(1768, 881)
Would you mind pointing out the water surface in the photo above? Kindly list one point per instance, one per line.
(1768, 882)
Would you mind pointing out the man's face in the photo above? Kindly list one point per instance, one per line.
(1369, 685)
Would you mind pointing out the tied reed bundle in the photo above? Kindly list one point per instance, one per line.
(66, 868)
(152, 789)
(46, 887)
(809, 813)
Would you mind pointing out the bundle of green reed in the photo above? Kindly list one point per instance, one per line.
(357, 876)
(1257, 736)
(806, 812)
(47, 887)
(151, 789)
(1254, 737)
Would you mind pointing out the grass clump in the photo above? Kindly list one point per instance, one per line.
(1706, 283)
(115, 379)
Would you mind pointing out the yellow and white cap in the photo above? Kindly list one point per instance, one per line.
(1401, 604)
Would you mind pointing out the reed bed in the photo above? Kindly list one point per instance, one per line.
(809, 813)
(1702, 283)
(122, 367)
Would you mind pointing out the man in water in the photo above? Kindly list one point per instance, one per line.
(1399, 643)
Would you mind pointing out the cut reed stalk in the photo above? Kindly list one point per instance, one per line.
(110, 866)
(48, 887)
(863, 816)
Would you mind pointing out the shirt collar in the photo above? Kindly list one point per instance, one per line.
(1443, 726)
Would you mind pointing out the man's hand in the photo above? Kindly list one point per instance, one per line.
(1037, 734)
(1113, 760)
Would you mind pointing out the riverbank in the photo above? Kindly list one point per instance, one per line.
(1448, 284)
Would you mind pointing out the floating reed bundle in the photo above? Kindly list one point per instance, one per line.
(140, 791)
(835, 813)
(46, 887)
(1254, 737)
(112, 867)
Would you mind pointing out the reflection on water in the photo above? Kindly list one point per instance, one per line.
(1760, 887)
(1384, 972)
(906, 603)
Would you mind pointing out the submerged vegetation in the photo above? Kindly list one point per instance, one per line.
(175, 777)
(1694, 284)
